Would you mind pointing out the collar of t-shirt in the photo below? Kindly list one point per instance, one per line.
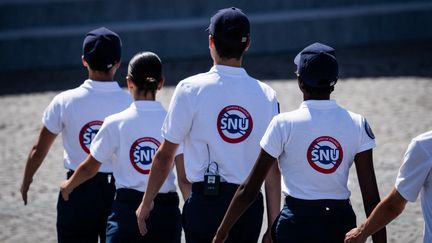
(228, 70)
(319, 104)
(147, 105)
(106, 86)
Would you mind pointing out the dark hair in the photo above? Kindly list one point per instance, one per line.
(228, 51)
(145, 71)
(317, 90)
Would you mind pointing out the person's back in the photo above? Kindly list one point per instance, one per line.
(128, 141)
(219, 116)
(314, 146)
(321, 140)
(78, 114)
(230, 113)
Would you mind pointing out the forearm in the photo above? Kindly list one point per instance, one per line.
(37, 154)
(368, 186)
(161, 167)
(33, 163)
(273, 193)
(185, 188)
(83, 173)
(184, 185)
(387, 210)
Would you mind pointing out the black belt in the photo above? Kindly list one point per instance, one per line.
(99, 175)
(131, 195)
(292, 201)
(224, 187)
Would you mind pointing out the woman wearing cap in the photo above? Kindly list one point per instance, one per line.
(315, 146)
(78, 114)
(131, 138)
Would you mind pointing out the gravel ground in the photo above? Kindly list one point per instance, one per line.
(397, 109)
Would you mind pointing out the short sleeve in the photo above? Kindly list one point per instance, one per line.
(413, 172)
(52, 117)
(367, 137)
(104, 144)
(178, 120)
(274, 138)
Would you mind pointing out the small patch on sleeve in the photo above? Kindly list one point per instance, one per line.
(368, 129)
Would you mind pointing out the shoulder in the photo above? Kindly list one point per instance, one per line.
(199, 80)
(269, 92)
(285, 117)
(424, 140)
(124, 95)
(358, 119)
(117, 118)
(424, 137)
(67, 96)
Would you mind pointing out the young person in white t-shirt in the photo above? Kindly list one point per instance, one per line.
(78, 114)
(220, 116)
(315, 146)
(414, 178)
(130, 139)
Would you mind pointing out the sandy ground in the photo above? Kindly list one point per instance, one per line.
(397, 109)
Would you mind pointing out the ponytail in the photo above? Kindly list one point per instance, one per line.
(145, 71)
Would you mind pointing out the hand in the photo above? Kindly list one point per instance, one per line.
(218, 238)
(142, 213)
(65, 190)
(25, 186)
(355, 236)
(267, 237)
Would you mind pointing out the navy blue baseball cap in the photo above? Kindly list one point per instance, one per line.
(102, 49)
(230, 25)
(317, 65)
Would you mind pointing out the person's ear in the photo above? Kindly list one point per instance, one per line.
(84, 62)
(248, 43)
(130, 84)
(300, 82)
(211, 41)
(161, 84)
(117, 65)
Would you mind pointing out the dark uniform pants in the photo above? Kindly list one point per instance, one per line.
(203, 214)
(83, 217)
(163, 224)
(317, 221)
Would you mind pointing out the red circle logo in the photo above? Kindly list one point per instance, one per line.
(234, 124)
(87, 133)
(142, 152)
(325, 154)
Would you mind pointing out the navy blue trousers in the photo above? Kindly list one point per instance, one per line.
(163, 224)
(313, 221)
(83, 217)
(203, 214)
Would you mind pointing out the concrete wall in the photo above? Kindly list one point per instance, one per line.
(46, 34)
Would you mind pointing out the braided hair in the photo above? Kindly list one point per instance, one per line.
(145, 71)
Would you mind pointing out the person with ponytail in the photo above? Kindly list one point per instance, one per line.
(131, 138)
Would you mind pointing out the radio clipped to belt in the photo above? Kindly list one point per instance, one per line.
(211, 178)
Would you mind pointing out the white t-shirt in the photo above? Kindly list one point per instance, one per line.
(225, 109)
(316, 145)
(415, 177)
(78, 114)
(130, 139)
